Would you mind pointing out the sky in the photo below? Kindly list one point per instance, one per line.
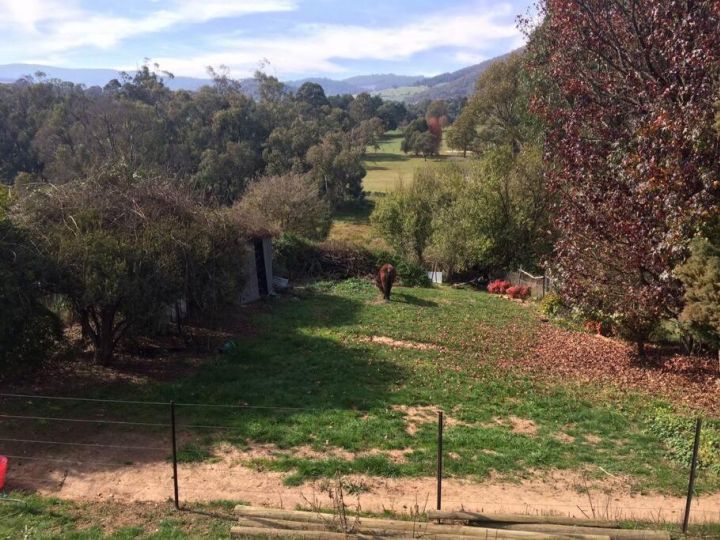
(286, 38)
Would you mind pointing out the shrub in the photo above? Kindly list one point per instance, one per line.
(300, 258)
(552, 304)
(412, 274)
(28, 330)
(129, 246)
(498, 286)
(520, 292)
(289, 203)
(700, 275)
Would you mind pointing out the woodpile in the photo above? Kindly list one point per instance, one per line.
(257, 522)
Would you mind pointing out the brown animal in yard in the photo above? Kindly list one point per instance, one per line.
(385, 279)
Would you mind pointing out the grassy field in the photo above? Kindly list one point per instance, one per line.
(364, 377)
(385, 167)
(351, 225)
(401, 92)
(327, 360)
(326, 351)
(388, 165)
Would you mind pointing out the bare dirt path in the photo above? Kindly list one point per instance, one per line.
(228, 477)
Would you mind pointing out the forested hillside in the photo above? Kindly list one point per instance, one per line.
(409, 88)
(216, 140)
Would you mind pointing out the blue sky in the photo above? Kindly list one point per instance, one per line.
(290, 38)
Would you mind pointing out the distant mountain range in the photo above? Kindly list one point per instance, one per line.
(409, 88)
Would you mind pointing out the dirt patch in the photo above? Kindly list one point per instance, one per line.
(521, 426)
(271, 451)
(586, 358)
(400, 344)
(416, 416)
(396, 456)
(228, 478)
(564, 437)
(592, 439)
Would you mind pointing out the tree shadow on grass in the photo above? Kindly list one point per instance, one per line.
(412, 300)
(302, 383)
(386, 156)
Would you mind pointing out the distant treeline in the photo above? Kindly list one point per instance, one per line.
(216, 139)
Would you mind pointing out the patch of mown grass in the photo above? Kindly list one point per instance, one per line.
(351, 225)
(387, 164)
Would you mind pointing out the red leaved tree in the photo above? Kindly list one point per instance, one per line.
(628, 89)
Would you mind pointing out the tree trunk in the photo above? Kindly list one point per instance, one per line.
(104, 350)
(85, 324)
(104, 338)
(640, 347)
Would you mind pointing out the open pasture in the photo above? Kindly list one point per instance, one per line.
(333, 381)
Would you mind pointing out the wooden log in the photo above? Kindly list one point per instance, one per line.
(262, 532)
(310, 526)
(364, 522)
(293, 519)
(512, 518)
(386, 528)
(614, 534)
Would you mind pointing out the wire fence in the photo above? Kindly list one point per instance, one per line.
(28, 447)
(539, 285)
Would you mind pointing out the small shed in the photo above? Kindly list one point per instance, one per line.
(257, 268)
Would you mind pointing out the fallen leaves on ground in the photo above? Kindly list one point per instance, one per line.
(688, 380)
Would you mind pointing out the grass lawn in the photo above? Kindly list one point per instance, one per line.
(316, 351)
(385, 167)
(388, 164)
(351, 225)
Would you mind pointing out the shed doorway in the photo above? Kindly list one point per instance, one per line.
(260, 267)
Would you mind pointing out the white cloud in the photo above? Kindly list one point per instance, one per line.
(316, 48)
(46, 27)
(465, 57)
(53, 29)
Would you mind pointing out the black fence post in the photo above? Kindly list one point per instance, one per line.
(693, 474)
(174, 454)
(439, 460)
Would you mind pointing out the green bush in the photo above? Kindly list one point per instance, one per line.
(552, 305)
(29, 332)
(412, 274)
(700, 275)
(130, 246)
(300, 259)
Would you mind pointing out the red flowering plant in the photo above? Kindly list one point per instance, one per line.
(498, 286)
(519, 292)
